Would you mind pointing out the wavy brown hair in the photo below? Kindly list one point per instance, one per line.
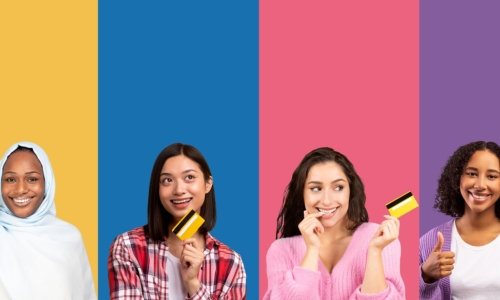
(292, 208)
(448, 199)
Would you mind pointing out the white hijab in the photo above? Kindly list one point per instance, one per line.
(41, 256)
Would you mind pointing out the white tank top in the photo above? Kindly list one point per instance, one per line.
(476, 275)
(176, 289)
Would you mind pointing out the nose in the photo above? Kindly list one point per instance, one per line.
(179, 188)
(480, 183)
(327, 199)
(21, 187)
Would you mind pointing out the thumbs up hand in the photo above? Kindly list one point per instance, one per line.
(438, 264)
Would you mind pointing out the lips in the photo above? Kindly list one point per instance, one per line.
(24, 201)
(478, 197)
(327, 213)
(181, 203)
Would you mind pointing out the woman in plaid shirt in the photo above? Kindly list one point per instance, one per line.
(150, 262)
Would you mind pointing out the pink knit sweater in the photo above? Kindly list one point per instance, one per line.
(287, 280)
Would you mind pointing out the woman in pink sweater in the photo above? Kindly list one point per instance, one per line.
(326, 247)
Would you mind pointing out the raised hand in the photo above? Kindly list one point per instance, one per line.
(439, 264)
(191, 260)
(309, 228)
(387, 232)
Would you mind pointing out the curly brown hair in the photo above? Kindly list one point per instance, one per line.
(448, 199)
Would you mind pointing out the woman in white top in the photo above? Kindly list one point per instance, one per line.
(41, 256)
(460, 258)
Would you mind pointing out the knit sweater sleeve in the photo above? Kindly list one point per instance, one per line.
(391, 257)
(428, 291)
(286, 279)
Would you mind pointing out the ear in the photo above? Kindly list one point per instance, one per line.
(208, 184)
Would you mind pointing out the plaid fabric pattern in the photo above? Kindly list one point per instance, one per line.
(137, 270)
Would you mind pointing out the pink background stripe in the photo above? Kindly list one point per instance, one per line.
(342, 74)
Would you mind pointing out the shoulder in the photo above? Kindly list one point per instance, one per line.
(431, 235)
(290, 246)
(428, 240)
(223, 250)
(67, 231)
(132, 238)
(228, 261)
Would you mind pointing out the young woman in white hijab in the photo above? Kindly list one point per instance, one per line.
(41, 256)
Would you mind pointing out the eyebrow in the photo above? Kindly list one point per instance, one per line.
(319, 182)
(27, 173)
(187, 171)
(489, 170)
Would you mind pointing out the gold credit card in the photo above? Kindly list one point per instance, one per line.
(188, 225)
(402, 205)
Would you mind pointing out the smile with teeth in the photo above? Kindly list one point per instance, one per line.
(327, 212)
(181, 201)
(479, 197)
(21, 200)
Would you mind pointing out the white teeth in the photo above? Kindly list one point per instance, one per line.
(479, 197)
(22, 200)
(181, 201)
(327, 212)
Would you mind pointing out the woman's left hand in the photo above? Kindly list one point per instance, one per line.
(387, 232)
(191, 260)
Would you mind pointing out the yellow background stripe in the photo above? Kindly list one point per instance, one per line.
(48, 95)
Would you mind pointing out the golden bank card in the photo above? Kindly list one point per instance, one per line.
(402, 205)
(188, 225)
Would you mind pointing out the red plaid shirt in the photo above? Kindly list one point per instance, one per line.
(137, 269)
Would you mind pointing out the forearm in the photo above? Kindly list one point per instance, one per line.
(192, 286)
(296, 284)
(374, 280)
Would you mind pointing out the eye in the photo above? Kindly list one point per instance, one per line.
(167, 180)
(9, 179)
(32, 179)
(492, 177)
(189, 177)
(471, 174)
(315, 189)
(339, 188)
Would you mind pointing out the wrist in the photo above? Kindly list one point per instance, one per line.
(192, 286)
(426, 278)
(374, 250)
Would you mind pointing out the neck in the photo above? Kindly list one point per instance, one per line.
(333, 234)
(479, 220)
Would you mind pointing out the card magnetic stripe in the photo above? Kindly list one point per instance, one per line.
(183, 222)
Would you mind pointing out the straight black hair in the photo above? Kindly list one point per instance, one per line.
(158, 217)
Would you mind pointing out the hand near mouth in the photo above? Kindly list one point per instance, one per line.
(310, 227)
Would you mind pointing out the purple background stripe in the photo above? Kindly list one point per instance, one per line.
(459, 87)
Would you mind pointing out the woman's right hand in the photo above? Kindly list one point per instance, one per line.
(439, 264)
(309, 228)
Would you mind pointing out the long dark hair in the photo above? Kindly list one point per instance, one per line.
(292, 208)
(448, 199)
(158, 217)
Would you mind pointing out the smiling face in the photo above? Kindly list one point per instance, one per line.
(23, 184)
(480, 182)
(327, 190)
(182, 186)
